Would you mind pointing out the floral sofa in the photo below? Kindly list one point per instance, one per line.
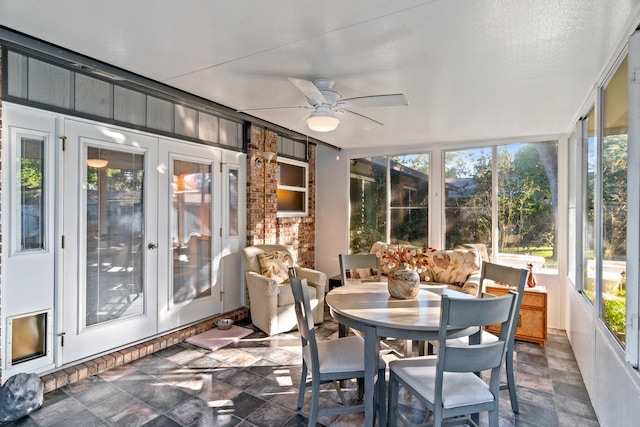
(458, 269)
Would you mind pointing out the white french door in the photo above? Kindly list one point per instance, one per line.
(189, 217)
(110, 255)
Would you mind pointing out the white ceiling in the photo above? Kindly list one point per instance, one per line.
(472, 70)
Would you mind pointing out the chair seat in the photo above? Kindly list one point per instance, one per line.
(342, 355)
(458, 388)
(285, 296)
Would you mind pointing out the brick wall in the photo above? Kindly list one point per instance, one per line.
(263, 225)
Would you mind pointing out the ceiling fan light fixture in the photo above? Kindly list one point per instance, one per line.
(322, 121)
(97, 163)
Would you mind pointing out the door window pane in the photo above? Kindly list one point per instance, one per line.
(31, 169)
(368, 201)
(614, 203)
(114, 235)
(191, 230)
(468, 197)
(410, 199)
(232, 226)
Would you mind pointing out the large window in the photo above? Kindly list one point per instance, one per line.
(504, 198)
(389, 198)
(614, 202)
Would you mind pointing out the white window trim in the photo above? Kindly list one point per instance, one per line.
(304, 190)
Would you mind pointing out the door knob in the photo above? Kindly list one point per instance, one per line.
(152, 246)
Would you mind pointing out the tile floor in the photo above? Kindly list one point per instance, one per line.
(255, 383)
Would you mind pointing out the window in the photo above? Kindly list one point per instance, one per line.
(614, 203)
(505, 198)
(30, 196)
(389, 199)
(468, 197)
(292, 187)
(589, 182)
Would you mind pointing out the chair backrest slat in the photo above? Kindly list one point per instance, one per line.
(359, 261)
(304, 316)
(462, 313)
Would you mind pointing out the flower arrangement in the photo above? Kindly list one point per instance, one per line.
(415, 258)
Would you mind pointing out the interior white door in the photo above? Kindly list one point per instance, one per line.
(233, 232)
(110, 239)
(189, 219)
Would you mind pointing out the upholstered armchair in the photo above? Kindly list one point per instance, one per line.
(270, 298)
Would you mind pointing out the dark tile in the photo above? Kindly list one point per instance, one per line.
(266, 388)
(570, 420)
(189, 411)
(59, 410)
(82, 419)
(114, 405)
(161, 396)
(214, 419)
(575, 392)
(91, 390)
(573, 406)
(162, 421)
(269, 415)
(240, 406)
(133, 379)
(536, 415)
(136, 415)
(573, 378)
(243, 379)
(532, 397)
(22, 422)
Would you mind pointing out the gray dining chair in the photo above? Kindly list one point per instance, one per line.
(349, 263)
(354, 262)
(447, 383)
(330, 361)
(515, 278)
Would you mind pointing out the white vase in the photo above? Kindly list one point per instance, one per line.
(403, 283)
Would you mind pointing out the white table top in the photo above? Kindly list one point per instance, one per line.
(370, 302)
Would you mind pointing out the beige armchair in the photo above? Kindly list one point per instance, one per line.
(270, 300)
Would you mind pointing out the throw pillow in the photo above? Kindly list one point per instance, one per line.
(275, 265)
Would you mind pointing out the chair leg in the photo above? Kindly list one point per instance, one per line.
(493, 418)
(511, 381)
(382, 392)
(392, 419)
(315, 402)
(360, 388)
(303, 385)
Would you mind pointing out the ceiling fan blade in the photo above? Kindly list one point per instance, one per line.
(390, 100)
(371, 124)
(248, 110)
(309, 90)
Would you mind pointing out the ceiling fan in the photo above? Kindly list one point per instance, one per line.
(326, 104)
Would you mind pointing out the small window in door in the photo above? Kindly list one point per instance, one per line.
(30, 197)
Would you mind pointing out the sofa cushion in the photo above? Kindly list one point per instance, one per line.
(453, 266)
(275, 265)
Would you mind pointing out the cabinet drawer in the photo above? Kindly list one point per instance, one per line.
(533, 299)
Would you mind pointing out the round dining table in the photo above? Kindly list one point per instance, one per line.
(369, 308)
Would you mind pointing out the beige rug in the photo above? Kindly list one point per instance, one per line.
(215, 338)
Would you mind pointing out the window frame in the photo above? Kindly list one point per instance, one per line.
(304, 190)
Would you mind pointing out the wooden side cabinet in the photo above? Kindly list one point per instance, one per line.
(532, 320)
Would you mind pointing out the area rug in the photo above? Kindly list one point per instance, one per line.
(215, 338)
